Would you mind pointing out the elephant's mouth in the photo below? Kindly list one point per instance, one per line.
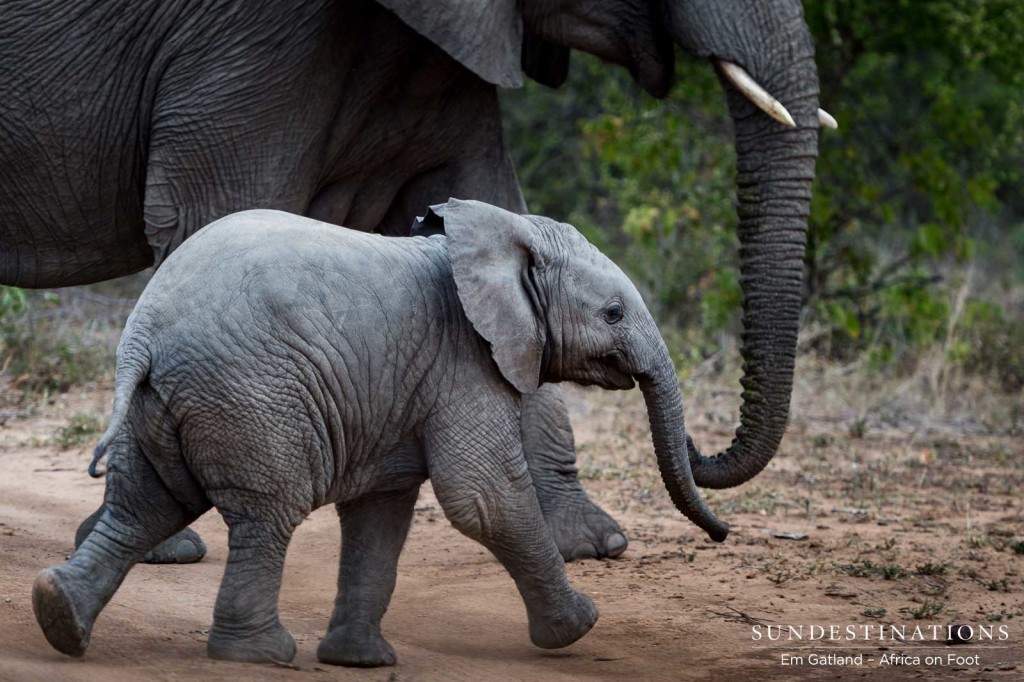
(610, 371)
(615, 373)
(622, 382)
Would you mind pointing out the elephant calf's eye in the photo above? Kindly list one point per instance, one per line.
(613, 314)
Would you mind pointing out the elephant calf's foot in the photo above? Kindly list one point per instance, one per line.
(273, 644)
(53, 603)
(185, 547)
(563, 627)
(581, 529)
(357, 646)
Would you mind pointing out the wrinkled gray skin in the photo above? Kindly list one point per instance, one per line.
(266, 371)
(124, 127)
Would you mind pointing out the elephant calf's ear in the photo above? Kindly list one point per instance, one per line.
(491, 257)
(430, 223)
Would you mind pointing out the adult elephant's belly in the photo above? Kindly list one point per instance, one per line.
(43, 244)
(71, 170)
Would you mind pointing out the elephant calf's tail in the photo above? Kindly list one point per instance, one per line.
(132, 369)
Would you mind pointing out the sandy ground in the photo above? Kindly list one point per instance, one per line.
(905, 528)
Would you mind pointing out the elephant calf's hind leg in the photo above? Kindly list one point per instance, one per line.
(138, 514)
(373, 530)
(246, 626)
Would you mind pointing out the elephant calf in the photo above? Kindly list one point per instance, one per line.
(250, 378)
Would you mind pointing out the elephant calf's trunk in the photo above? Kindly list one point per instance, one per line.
(668, 431)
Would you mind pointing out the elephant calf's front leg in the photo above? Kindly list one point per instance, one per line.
(482, 482)
(580, 528)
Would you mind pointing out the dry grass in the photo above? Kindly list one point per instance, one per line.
(64, 338)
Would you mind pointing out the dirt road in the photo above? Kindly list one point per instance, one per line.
(901, 530)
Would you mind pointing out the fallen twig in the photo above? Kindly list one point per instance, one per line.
(739, 616)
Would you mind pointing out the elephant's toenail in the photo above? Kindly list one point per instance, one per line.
(188, 552)
(584, 551)
(615, 544)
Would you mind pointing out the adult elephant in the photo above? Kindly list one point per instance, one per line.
(127, 126)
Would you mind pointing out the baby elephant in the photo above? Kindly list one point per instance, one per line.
(275, 364)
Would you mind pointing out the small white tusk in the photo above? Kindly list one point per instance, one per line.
(826, 119)
(755, 93)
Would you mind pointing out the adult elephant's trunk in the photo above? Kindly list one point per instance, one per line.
(775, 169)
(668, 431)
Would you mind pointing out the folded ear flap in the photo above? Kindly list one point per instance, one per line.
(492, 254)
(485, 36)
(430, 223)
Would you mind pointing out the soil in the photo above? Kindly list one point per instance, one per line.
(886, 525)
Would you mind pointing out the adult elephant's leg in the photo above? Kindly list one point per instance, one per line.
(489, 176)
(580, 528)
(373, 530)
(184, 547)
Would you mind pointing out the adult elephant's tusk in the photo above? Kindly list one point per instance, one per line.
(826, 119)
(738, 76)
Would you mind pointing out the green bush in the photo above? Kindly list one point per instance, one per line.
(81, 429)
(12, 303)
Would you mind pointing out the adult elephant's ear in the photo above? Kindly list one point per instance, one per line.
(492, 255)
(484, 36)
(544, 62)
